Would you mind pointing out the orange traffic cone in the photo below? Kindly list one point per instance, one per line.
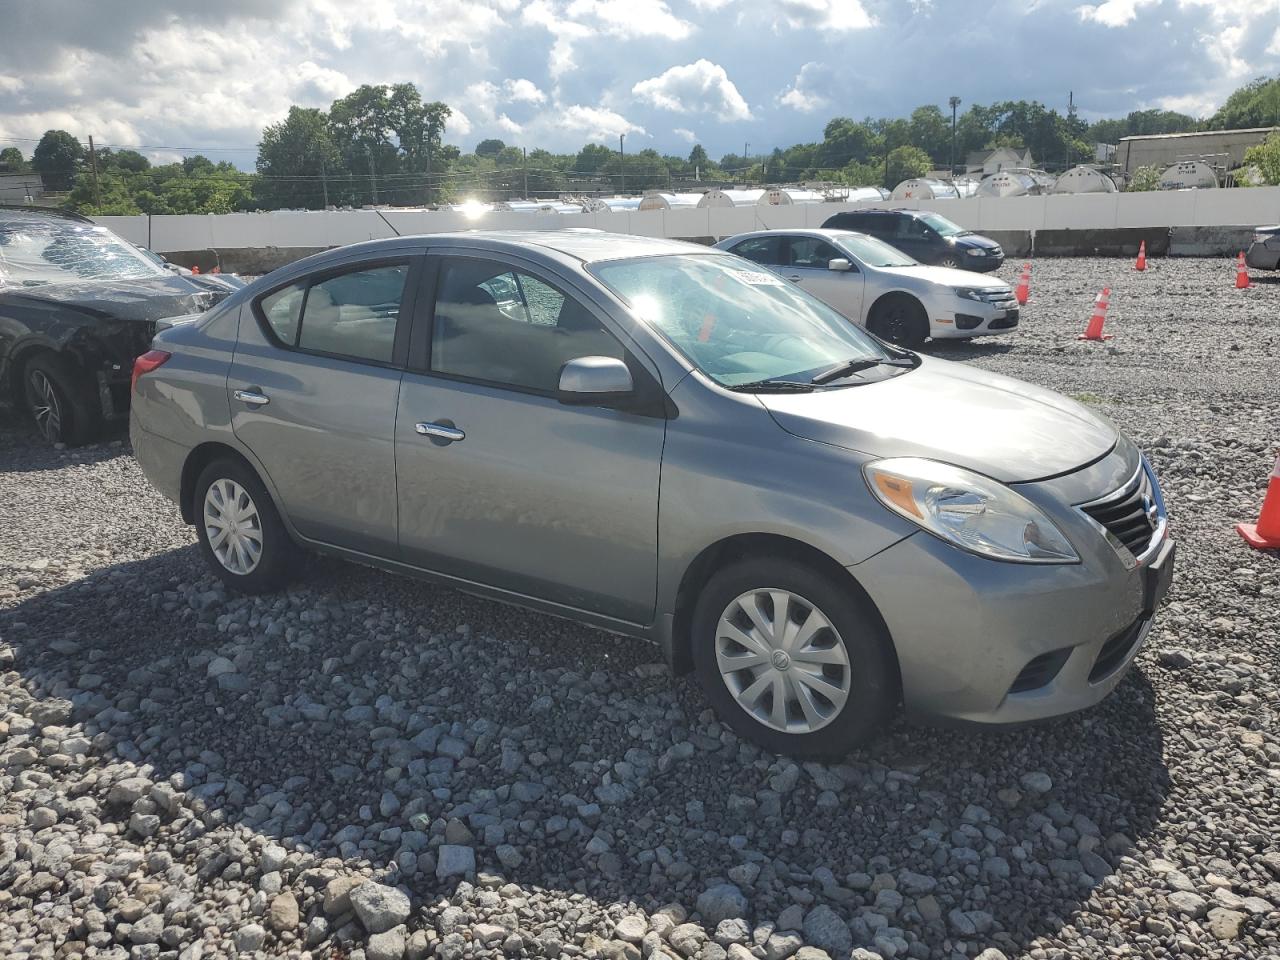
(1142, 256)
(1094, 330)
(1265, 534)
(1022, 292)
(1242, 273)
(195, 268)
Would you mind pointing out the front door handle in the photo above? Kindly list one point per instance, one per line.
(252, 397)
(794, 279)
(440, 431)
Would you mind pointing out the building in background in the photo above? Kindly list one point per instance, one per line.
(986, 162)
(20, 188)
(1221, 149)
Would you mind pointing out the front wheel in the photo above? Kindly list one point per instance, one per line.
(950, 261)
(791, 659)
(63, 407)
(241, 534)
(899, 319)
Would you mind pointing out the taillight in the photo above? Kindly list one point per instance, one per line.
(146, 363)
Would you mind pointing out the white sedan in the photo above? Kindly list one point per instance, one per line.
(895, 297)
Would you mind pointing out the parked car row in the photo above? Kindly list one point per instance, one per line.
(676, 443)
(77, 305)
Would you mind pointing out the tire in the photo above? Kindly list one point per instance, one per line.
(851, 654)
(257, 555)
(900, 320)
(950, 262)
(63, 406)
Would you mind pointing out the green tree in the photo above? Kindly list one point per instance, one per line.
(1143, 179)
(644, 171)
(592, 158)
(297, 160)
(931, 131)
(489, 148)
(58, 158)
(1266, 157)
(130, 160)
(1256, 104)
(844, 140)
(698, 157)
(12, 160)
(906, 162)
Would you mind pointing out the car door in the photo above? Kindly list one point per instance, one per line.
(313, 388)
(766, 250)
(915, 238)
(499, 482)
(807, 266)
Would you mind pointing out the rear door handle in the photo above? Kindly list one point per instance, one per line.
(252, 397)
(441, 431)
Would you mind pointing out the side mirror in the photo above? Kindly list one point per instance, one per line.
(595, 381)
(840, 264)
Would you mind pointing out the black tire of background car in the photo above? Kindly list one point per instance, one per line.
(873, 672)
(281, 557)
(77, 407)
(899, 319)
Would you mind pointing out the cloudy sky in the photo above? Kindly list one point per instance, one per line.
(170, 76)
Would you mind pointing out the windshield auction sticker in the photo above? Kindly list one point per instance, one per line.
(757, 279)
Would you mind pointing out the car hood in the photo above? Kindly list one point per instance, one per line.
(948, 277)
(976, 240)
(146, 299)
(1001, 427)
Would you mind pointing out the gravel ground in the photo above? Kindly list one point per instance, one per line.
(371, 767)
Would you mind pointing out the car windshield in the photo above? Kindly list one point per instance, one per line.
(37, 251)
(943, 226)
(873, 252)
(739, 324)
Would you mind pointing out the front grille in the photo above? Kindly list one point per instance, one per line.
(1006, 322)
(1128, 514)
(1040, 671)
(1115, 650)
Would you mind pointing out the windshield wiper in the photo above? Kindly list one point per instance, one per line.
(853, 366)
(773, 386)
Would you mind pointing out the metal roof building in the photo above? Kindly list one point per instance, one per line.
(1219, 147)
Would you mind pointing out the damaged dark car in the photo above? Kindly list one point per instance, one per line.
(77, 305)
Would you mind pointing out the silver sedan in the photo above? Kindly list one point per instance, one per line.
(668, 442)
(878, 286)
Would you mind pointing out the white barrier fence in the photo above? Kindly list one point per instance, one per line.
(1187, 208)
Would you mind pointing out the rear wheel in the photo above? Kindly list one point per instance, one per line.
(64, 409)
(790, 659)
(899, 319)
(241, 534)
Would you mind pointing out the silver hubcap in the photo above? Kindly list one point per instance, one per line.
(233, 526)
(44, 405)
(782, 660)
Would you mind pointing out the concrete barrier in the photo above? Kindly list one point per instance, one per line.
(1209, 241)
(1115, 242)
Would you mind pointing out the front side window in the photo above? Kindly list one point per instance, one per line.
(737, 323)
(941, 225)
(282, 311)
(508, 327)
(812, 252)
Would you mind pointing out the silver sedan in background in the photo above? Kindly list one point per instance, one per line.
(881, 288)
(668, 442)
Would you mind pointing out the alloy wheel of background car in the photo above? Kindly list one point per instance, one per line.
(233, 526)
(792, 657)
(242, 537)
(42, 398)
(62, 407)
(782, 660)
(951, 262)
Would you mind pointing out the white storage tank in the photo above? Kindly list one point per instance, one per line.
(611, 204)
(731, 198)
(788, 196)
(1084, 179)
(966, 187)
(1009, 183)
(669, 201)
(856, 194)
(1189, 175)
(924, 188)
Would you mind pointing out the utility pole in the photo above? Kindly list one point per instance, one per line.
(373, 176)
(1071, 116)
(324, 182)
(93, 163)
(746, 158)
(955, 102)
(525, 153)
(429, 184)
(622, 165)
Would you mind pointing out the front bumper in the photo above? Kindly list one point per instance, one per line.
(1264, 255)
(983, 263)
(979, 641)
(965, 318)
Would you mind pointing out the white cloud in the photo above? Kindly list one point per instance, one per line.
(592, 123)
(803, 93)
(838, 15)
(631, 18)
(684, 134)
(523, 91)
(319, 86)
(1113, 13)
(699, 87)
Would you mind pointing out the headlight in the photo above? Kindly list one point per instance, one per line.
(970, 293)
(973, 512)
(975, 251)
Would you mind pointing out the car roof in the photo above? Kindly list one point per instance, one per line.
(823, 232)
(584, 245)
(23, 214)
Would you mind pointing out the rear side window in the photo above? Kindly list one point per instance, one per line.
(765, 250)
(354, 314)
(282, 310)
